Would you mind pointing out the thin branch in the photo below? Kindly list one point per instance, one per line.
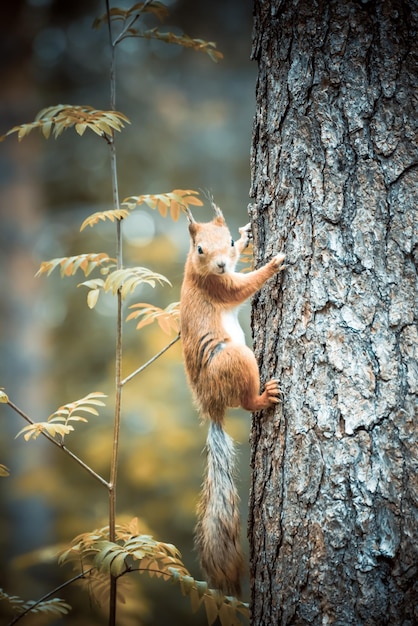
(129, 25)
(125, 29)
(48, 595)
(154, 358)
(61, 446)
(112, 77)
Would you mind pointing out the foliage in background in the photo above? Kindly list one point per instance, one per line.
(104, 556)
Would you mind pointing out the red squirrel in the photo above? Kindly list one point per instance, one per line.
(222, 372)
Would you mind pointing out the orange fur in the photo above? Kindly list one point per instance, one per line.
(222, 372)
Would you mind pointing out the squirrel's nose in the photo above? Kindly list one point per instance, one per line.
(221, 265)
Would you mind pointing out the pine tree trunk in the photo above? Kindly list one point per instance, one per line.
(333, 509)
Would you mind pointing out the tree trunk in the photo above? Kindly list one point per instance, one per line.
(333, 518)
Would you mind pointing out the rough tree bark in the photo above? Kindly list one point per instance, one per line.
(333, 517)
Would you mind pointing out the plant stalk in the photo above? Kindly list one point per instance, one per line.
(118, 356)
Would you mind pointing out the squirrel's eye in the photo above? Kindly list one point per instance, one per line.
(232, 243)
(199, 250)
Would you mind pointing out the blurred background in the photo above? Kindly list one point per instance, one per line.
(191, 122)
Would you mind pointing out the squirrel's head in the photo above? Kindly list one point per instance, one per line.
(212, 249)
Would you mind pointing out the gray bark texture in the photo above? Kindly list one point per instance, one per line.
(333, 507)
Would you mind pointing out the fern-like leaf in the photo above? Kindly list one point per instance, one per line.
(58, 422)
(126, 280)
(56, 119)
(32, 431)
(140, 552)
(14, 601)
(117, 14)
(183, 40)
(66, 412)
(128, 17)
(70, 264)
(98, 587)
(116, 214)
(174, 201)
(53, 606)
(167, 319)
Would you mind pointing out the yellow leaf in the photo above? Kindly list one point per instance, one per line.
(195, 599)
(3, 397)
(80, 128)
(4, 471)
(184, 40)
(59, 117)
(69, 265)
(175, 201)
(211, 608)
(194, 201)
(116, 214)
(92, 298)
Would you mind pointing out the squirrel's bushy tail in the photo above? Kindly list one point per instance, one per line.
(218, 527)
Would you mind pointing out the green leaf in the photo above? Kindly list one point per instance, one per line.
(118, 564)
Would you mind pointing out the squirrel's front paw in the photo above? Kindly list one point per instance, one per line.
(246, 234)
(278, 261)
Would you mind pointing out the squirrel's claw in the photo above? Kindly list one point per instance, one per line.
(273, 391)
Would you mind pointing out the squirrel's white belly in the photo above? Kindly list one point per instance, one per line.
(232, 326)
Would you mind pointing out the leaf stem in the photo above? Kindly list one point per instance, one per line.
(148, 363)
(48, 595)
(61, 446)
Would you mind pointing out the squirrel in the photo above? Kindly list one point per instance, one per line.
(222, 372)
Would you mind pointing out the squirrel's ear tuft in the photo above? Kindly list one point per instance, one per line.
(219, 215)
